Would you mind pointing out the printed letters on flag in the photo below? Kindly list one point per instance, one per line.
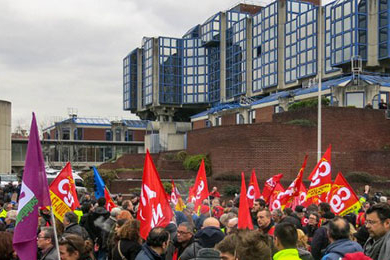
(154, 209)
(321, 178)
(274, 202)
(270, 185)
(301, 198)
(244, 215)
(63, 193)
(200, 189)
(342, 198)
(109, 202)
(293, 190)
(34, 194)
(176, 198)
(253, 192)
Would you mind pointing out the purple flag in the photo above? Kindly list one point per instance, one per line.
(34, 194)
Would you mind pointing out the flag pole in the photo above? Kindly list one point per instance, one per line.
(55, 233)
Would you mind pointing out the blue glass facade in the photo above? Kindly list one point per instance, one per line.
(147, 72)
(383, 28)
(348, 31)
(130, 71)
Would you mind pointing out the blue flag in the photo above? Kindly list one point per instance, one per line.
(99, 184)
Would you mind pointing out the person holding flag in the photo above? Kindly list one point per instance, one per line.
(33, 195)
(200, 189)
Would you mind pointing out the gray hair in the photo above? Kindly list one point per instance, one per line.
(49, 233)
(188, 225)
(115, 212)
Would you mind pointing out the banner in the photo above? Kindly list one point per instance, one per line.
(176, 198)
(109, 202)
(270, 185)
(342, 198)
(293, 190)
(253, 192)
(34, 193)
(200, 190)
(244, 215)
(274, 202)
(63, 193)
(321, 177)
(154, 209)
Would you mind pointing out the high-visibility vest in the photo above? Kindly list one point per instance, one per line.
(3, 214)
(79, 214)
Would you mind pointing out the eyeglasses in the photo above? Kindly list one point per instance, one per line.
(69, 242)
(38, 237)
(182, 233)
(370, 222)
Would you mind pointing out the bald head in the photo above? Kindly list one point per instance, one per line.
(211, 222)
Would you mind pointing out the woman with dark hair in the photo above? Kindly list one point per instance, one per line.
(6, 250)
(129, 243)
(73, 247)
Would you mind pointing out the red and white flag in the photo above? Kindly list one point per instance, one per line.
(253, 192)
(244, 215)
(321, 177)
(274, 201)
(176, 198)
(109, 202)
(154, 209)
(200, 190)
(301, 199)
(342, 198)
(270, 185)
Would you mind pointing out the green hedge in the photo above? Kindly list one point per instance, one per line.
(107, 176)
(301, 122)
(231, 190)
(192, 162)
(308, 103)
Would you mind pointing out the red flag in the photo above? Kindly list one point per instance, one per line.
(63, 193)
(253, 192)
(342, 198)
(154, 209)
(293, 190)
(270, 185)
(274, 202)
(244, 216)
(301, 198)
(176, 198)
(321, 177)
(200, 189)
(109, 202)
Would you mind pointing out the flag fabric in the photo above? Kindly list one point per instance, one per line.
(244, 215)
(191, 195)
(200, 190)
(274, 201)
(63, 193)
(176, 198)
(321, 177)
(342, 198)
(109, 202)
(99, 184)
(293, 190)
(154, 209)
(34, 194)
(270, 185)
(253, 192)
(301, 198)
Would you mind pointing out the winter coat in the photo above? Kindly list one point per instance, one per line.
(372, 247)
(287, 254)
(339, 248)
(304, 254)
(147, 253)
(78, 230)
(129, 249)
(384, 254)
(51, 254)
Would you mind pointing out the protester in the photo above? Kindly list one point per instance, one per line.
(73, 247)
(231, 226)
(6, 250)
(378, 225)
(312, 226)
(156, 245)
(184, 237)
(285, 241)
(96, 220)
(340, 244)
(227, 247)
(320, 238)
(265, 222)
(109, 228)
(129, 244)
(46, 244)
(252, 245)
(290, 217)
(10, 220)
(72, 227)
(258, 205)
(215, 193)
(302, 246)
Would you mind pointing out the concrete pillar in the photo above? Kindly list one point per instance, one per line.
(372, 33)
(222, 46)
(155, 61)
(282, 8)
(5, 137)
(249, 57)
(139, 79)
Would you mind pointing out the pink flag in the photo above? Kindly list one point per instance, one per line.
(34, 194)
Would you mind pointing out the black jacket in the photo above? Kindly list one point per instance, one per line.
(78, 230)
(95, 221)
(129, 249)
(148, 254)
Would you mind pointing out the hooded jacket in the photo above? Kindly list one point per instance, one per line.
(287, 254)
(147, 253)
(204, 238)
(339, 248)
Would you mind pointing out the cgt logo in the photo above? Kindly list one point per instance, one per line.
(337, 201)
(322, 171)
(68, 198)
(199, 190)
(251, 193)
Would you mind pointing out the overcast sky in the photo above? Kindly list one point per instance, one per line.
(56, 55)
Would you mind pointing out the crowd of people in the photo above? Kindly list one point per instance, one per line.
(210, 232)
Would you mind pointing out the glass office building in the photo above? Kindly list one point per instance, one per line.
(254, 51)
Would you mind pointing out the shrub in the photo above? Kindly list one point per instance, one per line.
(231, 190)
(361, 177)
(135, 190)
(192, 162)
(308, 103)
(301, 122)
(107, 176)
(181, 156)
(167, 187)
(386, 147)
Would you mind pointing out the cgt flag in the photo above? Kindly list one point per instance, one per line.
(253, 192)
(274, 202)
(34, 193)
(244, 215)
(270, 185)
(109, 202)
(154, 209)
(342, 198)
(321, 178)
(63, 193)
(176, 198)
(200, 190)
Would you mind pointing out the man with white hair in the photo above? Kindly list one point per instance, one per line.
(109, 229)
(231, 226)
